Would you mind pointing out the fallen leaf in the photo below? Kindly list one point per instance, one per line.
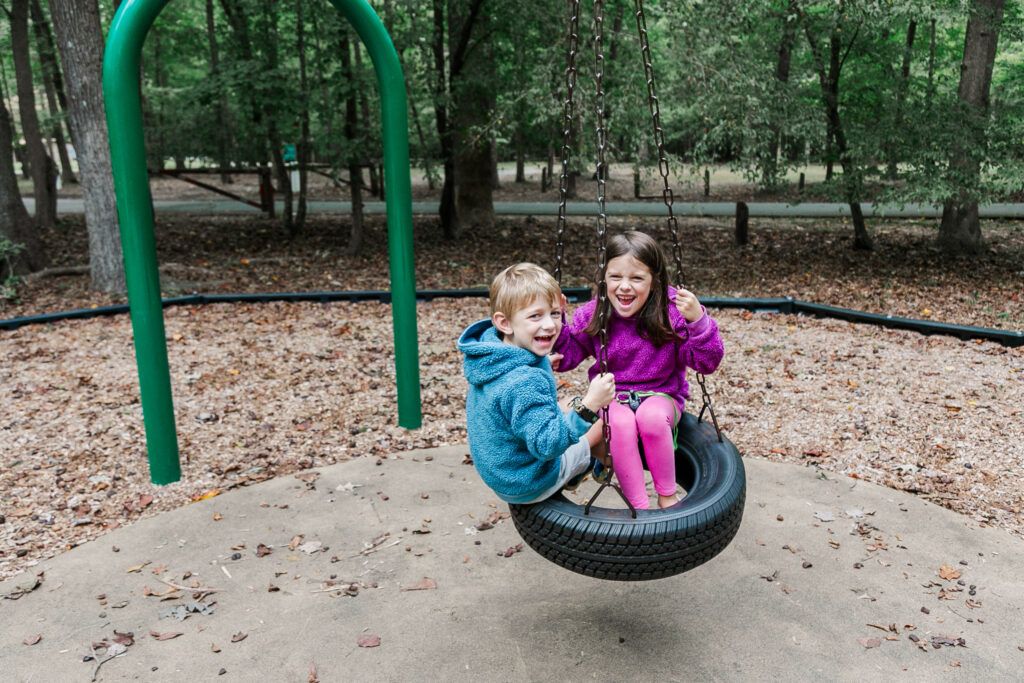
(948, 573)
(426, 584)
(145, 500)
(239, 637)
(310, 547)
(295, 541)
(512, 551)
(869, 642)
(136, 568)
(214, 648)
(262, 550)
(32, 640)
(26, 587)
(165, 636)
(203, 496)
(217, 516)
(313, 678)
(368, 641)
(124, 638)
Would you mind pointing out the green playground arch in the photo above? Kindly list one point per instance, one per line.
(121, 95)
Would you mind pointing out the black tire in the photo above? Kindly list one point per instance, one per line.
(610, 544)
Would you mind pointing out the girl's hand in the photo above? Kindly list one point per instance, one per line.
(688, 305)
(555, 359)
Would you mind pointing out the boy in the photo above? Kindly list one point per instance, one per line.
(523, 445)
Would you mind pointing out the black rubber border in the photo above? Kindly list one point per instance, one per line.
(778, 305)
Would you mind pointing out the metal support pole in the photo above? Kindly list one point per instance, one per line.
(121, 94)
(135, 216)
(398, 200)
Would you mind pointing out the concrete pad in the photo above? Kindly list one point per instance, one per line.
(521, 618)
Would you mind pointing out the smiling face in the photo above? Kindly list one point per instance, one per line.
(629, 284)
(534, 327)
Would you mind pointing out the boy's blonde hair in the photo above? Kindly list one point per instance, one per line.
(516, 286)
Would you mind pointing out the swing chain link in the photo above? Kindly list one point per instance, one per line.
(666, 193)
(706, 397)
(568, 112)
(659, 136)
(602, 218)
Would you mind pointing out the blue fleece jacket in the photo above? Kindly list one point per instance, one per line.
(517, 432)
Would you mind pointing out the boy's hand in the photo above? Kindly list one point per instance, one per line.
(688, 305)
(601, 392)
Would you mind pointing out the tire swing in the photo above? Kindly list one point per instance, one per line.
(628, 544)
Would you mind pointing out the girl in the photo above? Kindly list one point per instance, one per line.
(651, 343)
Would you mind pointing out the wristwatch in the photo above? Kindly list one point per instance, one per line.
(584, 412)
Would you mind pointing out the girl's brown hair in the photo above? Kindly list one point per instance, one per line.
(652, 320)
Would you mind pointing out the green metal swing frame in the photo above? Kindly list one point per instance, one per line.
(121, 95)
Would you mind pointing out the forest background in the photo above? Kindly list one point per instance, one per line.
(899, 101)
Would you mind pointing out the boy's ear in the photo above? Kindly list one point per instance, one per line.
(501, 322)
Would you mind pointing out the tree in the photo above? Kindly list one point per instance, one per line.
(960, 230)
(54, 85)
(15, 223)
(76, 24)
(41, 166)
(472, 97)
(829, 82)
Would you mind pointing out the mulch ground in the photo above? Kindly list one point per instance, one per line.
(264, 390)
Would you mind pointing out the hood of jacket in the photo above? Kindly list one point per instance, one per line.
(487, 357)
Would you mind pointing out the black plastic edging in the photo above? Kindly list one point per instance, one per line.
(778, 305)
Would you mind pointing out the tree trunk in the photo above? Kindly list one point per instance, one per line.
(901, 96)
(770, 178)
(53, 85)
(269, 110)
(447, 211)
(473, 97)
(425, 150)
(15, 223)
(80, 45)
(223, 111)
(355, 239)
(960, 230)
(302, 148)
(829, 82)
(520, 156)
(41, 166)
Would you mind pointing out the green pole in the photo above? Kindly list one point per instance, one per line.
(135, 215)
(398, 199)
(121, 94)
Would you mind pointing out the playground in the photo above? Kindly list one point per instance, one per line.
(320, 518)
(265, 390)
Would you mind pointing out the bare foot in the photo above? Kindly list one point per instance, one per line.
(667, 501)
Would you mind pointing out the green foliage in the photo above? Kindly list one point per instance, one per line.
(715, 63)
(9, 285)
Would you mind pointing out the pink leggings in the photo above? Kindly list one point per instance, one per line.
(653, 420)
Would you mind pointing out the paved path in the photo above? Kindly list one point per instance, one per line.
(805, 210)
(878, 560)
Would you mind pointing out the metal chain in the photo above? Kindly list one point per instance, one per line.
(602, 219)
(666, 193)
(659, 137)
(568, 111)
